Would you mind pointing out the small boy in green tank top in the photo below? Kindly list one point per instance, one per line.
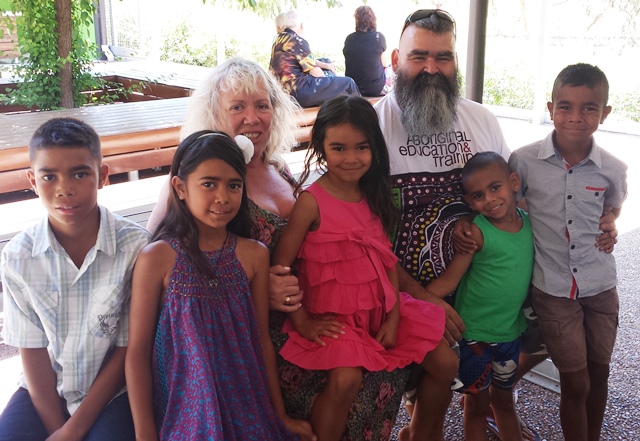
(492, 286)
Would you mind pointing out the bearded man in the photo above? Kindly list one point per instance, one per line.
(431, 132)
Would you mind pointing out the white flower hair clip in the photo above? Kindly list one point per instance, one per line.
(246, 146)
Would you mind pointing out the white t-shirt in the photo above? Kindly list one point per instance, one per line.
(426, 177)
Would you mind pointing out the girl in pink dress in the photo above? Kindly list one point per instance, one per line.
(353, 316)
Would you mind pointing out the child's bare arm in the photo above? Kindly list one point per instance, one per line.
(304, 216)
(448, 281)
(616, 213)
(607, 240)
(285, 294)
(454, 326)
(387, 335)
(256, 257)
(150, 277)
(41, 381)
(109, 381)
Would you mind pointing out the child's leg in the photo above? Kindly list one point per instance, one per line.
(597, 398)
(115, 422)
(532, 348)
(433, 395)
(601, 325)
(562, 324)
(505, 414)
(573, 399)
(574, 330)
(475, 376)
(475, 411)
(582, 402)
(19, 420)
(503, 377)
(331, 408)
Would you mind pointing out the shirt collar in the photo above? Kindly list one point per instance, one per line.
(547, 150)
(43, 238)
(107, 235)
(106, 240)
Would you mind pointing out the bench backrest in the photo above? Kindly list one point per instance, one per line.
(134, 136)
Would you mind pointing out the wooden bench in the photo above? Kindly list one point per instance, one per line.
(135, 136)
(134, 200)
(307, 118)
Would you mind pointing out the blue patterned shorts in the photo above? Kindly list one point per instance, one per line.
(484, 364)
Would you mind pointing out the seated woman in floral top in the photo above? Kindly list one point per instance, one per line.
(240, 98)
(300, 74)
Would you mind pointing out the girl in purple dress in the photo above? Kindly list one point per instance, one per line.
(200, 363)
(353, 318)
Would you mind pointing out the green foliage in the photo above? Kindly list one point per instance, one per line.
(268, 8)
(40, 64)
(181, 46)
(503, 88)
(39, 55)
(627, 106)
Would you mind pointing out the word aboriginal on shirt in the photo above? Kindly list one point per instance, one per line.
(446, 148)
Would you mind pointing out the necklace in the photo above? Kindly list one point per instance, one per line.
(213, 274)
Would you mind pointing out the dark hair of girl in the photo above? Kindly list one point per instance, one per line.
(375, 183)
(179, 222)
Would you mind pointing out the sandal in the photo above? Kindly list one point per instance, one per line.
(527, 432)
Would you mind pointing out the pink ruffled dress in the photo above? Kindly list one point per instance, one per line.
(343, 271)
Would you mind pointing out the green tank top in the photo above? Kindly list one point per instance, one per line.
(490, 295)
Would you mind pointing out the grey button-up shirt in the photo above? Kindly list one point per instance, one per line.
(565, 204)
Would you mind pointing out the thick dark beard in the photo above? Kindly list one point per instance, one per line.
(429, 102)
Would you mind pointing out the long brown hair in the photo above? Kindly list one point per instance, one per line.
(375, 184)
(179, 222)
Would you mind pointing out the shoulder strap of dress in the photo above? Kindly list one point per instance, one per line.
(232, 241)
(175, 244)
(286, 174)
(317, 191)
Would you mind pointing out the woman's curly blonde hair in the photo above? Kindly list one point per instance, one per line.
(238, 75)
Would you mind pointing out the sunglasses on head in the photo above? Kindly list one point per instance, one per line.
(421, 14)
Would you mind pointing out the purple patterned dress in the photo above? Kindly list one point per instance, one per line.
(210, 381)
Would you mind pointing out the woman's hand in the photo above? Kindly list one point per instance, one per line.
(462, 242)
(284, 292)
(301, 428)
(315, 326)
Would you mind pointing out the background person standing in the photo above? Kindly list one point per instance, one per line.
(365, 55)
